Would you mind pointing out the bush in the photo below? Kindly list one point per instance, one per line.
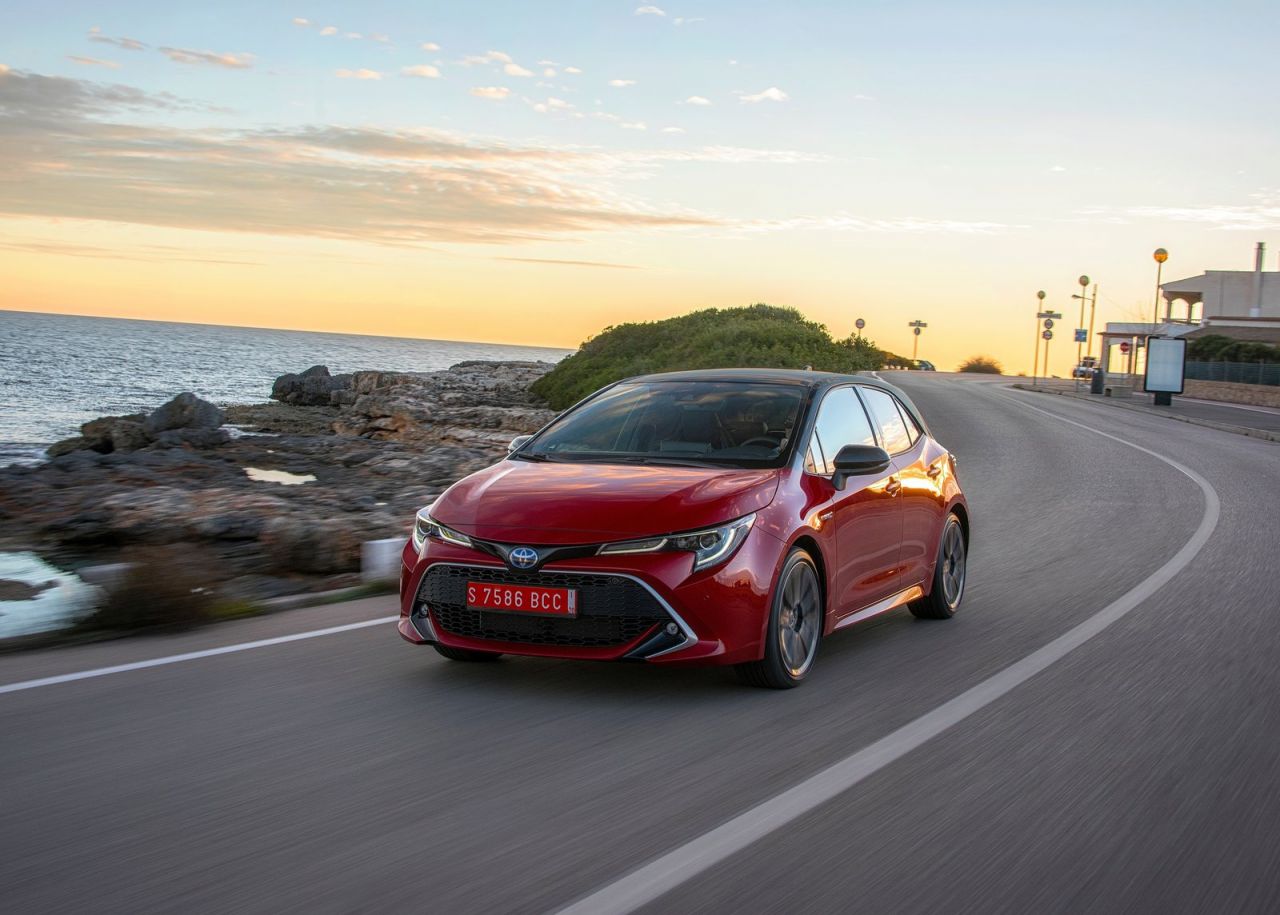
(756, 336)
(984, 365)
(1221, 348)
(162, 590)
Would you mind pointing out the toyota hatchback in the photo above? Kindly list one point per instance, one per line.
(711, 517)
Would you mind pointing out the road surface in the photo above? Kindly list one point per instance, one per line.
(353, 772)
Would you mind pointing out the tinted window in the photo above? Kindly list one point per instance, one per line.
(913, 431)
(841, 421)
(736, 423)
(893, 431)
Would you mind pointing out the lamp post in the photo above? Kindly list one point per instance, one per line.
(1093, 307)
(1084, 286)
(915, 346)
(1035, 362)
(1160, 255)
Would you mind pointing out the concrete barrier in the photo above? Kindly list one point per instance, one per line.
(380, 559)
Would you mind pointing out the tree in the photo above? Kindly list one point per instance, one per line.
(984, 365)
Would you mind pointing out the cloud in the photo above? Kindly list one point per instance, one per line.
(380, 38)
(4, 68)
(690, 20)
(129, 44)
(772, 94)
(621, 83)
(429, 46)
(329, 30)
(134, 252)
(298, 20)
(549, 72)
(633, 125)
(357, 74)
(354, 36)
(649, 11)
(860, 97)
(563, 263)
(426, 71)
(488, 57)
(92, 61)
(1262, 216)
(697, 100)
(497, 93)
(516, 70)
(673, 130)
(72, 151)
(912, 225)
(574, 70)
(210, 58)
(1058, 168)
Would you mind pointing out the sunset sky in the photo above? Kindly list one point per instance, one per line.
(533, 172)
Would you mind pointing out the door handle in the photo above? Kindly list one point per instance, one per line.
(935, 470)
(893, 486)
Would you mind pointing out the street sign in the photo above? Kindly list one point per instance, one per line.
(1125, 347)
(1048, 323)
(1048, 335)
(859, 324)
(1082, 335)
(917, 331)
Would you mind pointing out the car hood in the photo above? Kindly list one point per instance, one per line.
(549, 503)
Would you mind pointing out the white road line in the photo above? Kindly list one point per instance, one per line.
(190, 655)
(654, 879)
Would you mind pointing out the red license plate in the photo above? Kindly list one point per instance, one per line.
(522, 599)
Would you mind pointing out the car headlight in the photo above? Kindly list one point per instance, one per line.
(425, 527)
(709, 547)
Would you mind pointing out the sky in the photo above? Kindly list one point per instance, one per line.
(535, 172)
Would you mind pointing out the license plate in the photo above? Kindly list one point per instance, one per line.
(522, 599)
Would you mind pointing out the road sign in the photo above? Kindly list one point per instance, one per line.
(1124, 347)
(1082, 335)
(1048, 335)
(859, 324)
(917, 331)
(1048, 323)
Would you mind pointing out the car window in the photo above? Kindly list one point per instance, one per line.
(841, 421)
(913, 431)
(893, 431)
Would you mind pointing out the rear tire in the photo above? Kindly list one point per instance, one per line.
(949, 574)
(465, 654)
(796, 617)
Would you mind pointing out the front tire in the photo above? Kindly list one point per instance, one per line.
(464, 654)
(949, 574)
(796, 618)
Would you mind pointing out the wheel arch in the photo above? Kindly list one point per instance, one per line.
(810, 545)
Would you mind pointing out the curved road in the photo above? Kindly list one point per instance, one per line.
(351, 772)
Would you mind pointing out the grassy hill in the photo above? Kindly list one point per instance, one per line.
(755, 336)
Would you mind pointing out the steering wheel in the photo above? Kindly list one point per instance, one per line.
(760, 440)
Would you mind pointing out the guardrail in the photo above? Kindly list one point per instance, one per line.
(1267, 373)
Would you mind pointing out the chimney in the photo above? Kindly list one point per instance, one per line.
(1255, 310)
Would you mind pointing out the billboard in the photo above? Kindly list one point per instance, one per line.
(1166, 362)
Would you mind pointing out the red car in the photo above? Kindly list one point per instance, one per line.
(711, 517)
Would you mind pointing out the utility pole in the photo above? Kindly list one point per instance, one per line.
(1047, 334)
(1093, 306)
(915, 346)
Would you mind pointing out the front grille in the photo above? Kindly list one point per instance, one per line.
(612, 611)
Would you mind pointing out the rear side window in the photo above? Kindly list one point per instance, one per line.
(884, 410)
(913, 431)
(841, 421)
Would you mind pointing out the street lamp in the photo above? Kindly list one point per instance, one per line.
(915, 346)
(1035, 362)
(1160, 255)
(1084, 286)
(1093, 307)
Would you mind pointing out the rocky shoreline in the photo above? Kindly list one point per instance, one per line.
(365, 451)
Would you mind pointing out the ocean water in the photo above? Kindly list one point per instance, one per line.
(58, 371)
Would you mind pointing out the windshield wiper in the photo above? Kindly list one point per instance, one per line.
(533, 456)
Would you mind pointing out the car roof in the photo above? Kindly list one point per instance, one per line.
(805, 377)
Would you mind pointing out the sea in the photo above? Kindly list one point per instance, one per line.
(58, 371)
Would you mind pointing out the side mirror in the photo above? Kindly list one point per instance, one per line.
(854, 460)
(517, 442)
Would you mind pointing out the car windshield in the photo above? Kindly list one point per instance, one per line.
(736, 424)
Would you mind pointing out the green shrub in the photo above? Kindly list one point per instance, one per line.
(1221, 348)
(983, 365)
(755, 336)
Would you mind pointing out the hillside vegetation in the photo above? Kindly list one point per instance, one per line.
(983, 365)
(755, 336)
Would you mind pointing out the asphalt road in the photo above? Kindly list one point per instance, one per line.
(353, 772)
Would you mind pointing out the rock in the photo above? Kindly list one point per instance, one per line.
(192, 438)
(186, 411)
(314, 387)
(318, 546)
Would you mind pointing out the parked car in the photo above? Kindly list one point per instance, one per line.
(711, 517)
(1088, 365)
(924, 365)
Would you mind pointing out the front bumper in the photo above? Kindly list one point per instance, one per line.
(644, 607)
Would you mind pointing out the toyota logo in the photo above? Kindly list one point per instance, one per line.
(523, 557)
